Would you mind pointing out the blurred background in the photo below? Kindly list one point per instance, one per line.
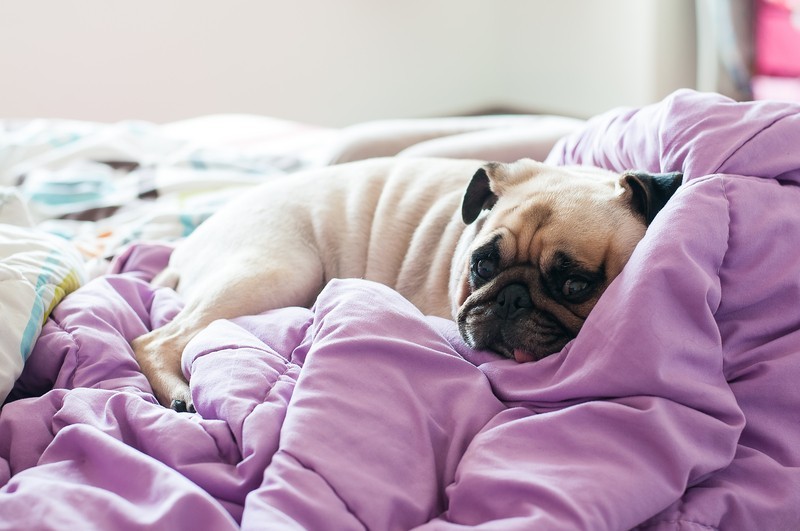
(338, 63)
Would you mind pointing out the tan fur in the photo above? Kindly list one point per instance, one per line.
(394, 221)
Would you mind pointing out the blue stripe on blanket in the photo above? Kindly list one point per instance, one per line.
(37, 311)
(187, 223)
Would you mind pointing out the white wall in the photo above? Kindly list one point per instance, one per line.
(582, 57)
(337, 62)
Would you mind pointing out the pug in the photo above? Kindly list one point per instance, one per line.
(518, 254)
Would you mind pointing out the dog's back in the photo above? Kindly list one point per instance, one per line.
(394, 221)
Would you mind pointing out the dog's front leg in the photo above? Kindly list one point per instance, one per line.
(230, 292)
(158, 354)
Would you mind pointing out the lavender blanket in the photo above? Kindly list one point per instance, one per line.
(675, 408)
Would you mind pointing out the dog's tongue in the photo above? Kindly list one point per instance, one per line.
(523, 356)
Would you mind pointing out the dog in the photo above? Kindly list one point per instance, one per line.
(518, 254)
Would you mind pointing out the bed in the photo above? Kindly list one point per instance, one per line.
(675, 407)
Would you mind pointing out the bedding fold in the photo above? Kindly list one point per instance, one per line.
(697, 133)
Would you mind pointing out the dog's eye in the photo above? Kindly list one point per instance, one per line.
(486, 268)
(484, 263)
(575, 287)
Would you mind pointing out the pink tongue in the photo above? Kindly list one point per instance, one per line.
(521, 356)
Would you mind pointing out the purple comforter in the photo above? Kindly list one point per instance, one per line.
(675, 408)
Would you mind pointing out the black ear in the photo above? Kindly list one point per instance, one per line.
(649, 192)
(479, 196)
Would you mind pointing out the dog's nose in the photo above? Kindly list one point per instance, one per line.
(512, 301)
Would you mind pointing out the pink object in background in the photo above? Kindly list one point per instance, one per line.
(778, 38)
(777, 54)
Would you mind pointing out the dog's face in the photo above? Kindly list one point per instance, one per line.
(551, 242)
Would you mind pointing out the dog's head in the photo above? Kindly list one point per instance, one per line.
(547, 241)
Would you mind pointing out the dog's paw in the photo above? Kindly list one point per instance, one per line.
(180, 396)
(161, 366)
(181, 407)
(171, 390)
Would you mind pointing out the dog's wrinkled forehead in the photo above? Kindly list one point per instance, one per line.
(528, 177)
(544, 211)
(644, 193)
(586, 207)
(533, 195)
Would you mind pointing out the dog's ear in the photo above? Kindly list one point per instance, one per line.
(647, 193)
(479, 195)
